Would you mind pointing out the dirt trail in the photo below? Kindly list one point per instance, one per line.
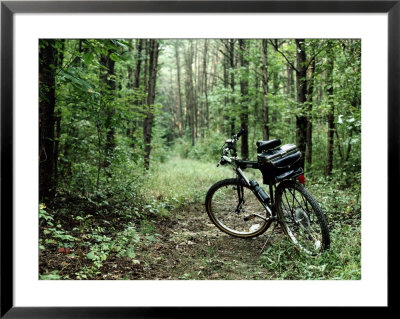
(191, 247)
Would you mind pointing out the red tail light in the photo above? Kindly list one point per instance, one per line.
(301, 179)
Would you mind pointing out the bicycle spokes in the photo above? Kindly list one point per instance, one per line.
(300, 220)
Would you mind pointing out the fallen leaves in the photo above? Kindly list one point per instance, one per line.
(64, 250)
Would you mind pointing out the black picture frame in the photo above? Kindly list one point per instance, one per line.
(9, 8)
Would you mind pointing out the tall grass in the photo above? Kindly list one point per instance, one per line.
(341, 262)
(184, 181)
(180, 182)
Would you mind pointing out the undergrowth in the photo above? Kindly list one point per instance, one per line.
(83, 237)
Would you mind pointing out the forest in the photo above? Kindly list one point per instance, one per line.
(130, 132)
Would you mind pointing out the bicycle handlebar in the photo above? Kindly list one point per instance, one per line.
(230, 146)
(236, 136)
(240, 133)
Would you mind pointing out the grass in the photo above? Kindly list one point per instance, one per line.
(341, 262)
(104, 235)
(184, 181)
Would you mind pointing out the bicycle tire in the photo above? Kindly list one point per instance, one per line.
(222, 200)
(301, 218)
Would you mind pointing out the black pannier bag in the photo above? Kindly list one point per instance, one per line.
(280, 163)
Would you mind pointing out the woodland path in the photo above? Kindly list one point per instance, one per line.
(191, 247)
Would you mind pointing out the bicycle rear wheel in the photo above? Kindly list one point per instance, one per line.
(302, 218)
(235, 210)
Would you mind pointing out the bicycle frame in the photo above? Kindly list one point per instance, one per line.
(292, 218)
(239, 164)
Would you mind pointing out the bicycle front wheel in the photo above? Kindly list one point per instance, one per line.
(235, 210)
(302, 218)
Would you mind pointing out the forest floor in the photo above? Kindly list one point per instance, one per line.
(176, 240)
(187, 246)
(191, 247)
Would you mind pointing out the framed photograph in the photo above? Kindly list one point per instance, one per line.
(117, 199)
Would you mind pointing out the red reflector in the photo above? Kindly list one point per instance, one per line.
(301, 179)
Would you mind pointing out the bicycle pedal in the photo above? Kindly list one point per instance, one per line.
(247, 218)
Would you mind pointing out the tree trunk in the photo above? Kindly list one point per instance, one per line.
(148, 121)
(331, 115)
(265, 111)
(190, 107)
(194, 80)
(178, 79)
(205, 87)
(301, 117)
(244, 83)
(310, 91)
(59, 61)
(135, 87)
(47, 71)
(232, 83)
(107, 80)
(275, 89)
(136, 82)
(225, 114)
(290, 83)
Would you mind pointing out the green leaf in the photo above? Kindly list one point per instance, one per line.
(91, 255)
(130, 253)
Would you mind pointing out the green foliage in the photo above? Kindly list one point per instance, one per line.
(180, 182)
(342, 207)
(206, 149)
(50, 276)
(341, 262)
(106, 200)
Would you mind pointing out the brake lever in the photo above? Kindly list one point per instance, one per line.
(227, 159)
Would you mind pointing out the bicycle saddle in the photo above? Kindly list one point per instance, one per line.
(267, 145)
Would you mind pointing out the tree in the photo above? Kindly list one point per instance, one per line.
(136, 86)
(331, 111)
(205, 84)
(189, 90)
(310, 91)
(265, 111)
(232, 83)
(48, 60)
(107, 85)
(148, 121)
(244, 83)
(301, 83)
(179, 94)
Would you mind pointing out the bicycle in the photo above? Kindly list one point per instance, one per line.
(241, 208)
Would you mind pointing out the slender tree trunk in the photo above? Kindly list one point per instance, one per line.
(179, 94)
(136, 82)
(145, 79)
(107, 80)
(148, 121)
(275, 89)
(47, 71)
(190, 107)
(135, 88)
(205, 86)
(59, 61)
(129, 85)
(301, 80)
(331, 116)
(225, 114)
(265, 111)
(232, 83)
(194, 80)
(290, 83)
(310, 91)
(244, 83)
